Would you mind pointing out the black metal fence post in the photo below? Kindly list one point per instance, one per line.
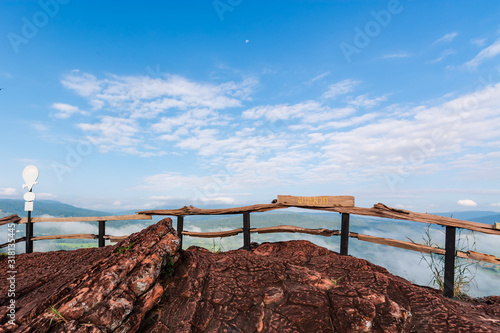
(246, 231)
(344, 234)
(449, 262)
(29, 234)
(102, 231)
(180, 228)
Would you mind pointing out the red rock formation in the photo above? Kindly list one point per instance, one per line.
(291, 286)
(297, 286)
(94, 290)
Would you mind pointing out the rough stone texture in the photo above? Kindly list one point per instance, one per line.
(297, 286)
(97, 290)
(292, 286)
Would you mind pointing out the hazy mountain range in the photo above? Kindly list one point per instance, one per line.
(45, 207)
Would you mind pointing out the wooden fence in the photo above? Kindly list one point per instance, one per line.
(100, 236)
(339, 204)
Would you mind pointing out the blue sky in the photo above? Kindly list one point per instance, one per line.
(145, 104)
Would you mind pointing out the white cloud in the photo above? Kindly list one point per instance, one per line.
(486, 53)
(351, 121)
(426, 134)
(39, 127)
(284, 111)
(190, 119)
(318, 77)
(443, 55)
(341, 88)
(365, 101)
(309, 112)
(309, 141)
(147, 97)
(317, 144)
(478, 165)
(65, 110)
(396, 55)
(496, 204)
(447, 37)
(112, 133)
(9, 191)
(479, 42)
(467, 203)
(130, 106)
(83, 84)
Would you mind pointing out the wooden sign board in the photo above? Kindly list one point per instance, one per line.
(497, 225)
(321, 201)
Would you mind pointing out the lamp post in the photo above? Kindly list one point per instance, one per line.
(30, 175)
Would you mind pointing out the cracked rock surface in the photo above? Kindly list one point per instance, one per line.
(296, 286)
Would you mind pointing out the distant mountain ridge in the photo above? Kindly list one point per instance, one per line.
(487, 217)
(490, 219)
(49, 207)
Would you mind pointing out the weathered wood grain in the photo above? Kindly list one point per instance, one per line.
(318, 201)
(214, 234)
(424, 248)
(295, 229)
(190, 210)
(73, 236)
(381, 210)
(115, 239)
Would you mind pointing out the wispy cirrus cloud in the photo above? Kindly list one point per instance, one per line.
(304, 110)
(65, 111)
(367, 102)
(112, 133)
(396, 55)
(443, 55)
(479, 42)
(318, 77)
(340, 88)
(448, 37)
(489, 52)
